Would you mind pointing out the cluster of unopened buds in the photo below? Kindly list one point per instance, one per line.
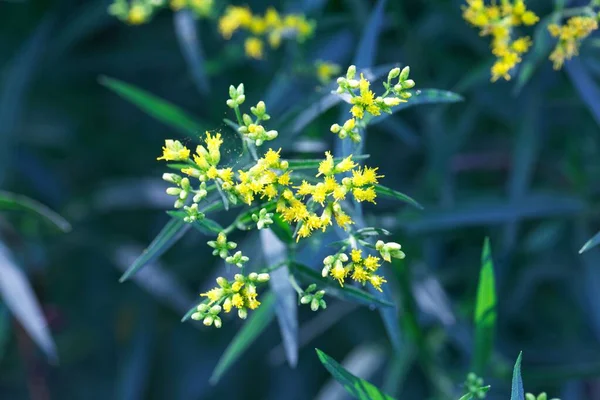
(313, 297)
(365, 104)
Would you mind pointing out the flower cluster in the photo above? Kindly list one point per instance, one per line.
(137, 12)
(239, 293)
(541, 396)
(570, 36)
(302, 206)
(499, 21)
(306, 201)
(364, 102)
(271, 27)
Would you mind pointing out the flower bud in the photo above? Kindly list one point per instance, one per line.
(240, 100)
(202, 307)
(242, 313)
(408, 84)
(311, 287)
(240, 89)
(335, 128)
(232, 92)
(351, 73)
(404, 74)
(231, 103)
(343, 257)
(173, 191)
(328, 260)
(196, 316)
(222, 282)
(325, 271)
(173, 178)
(215, 309)
(264, 277)
(393, 73)
(284, 164)
(218, 322)
(208, 320)
(261, 108)
(253, 276)
(314, 304)
(353, 84)
(306, 299)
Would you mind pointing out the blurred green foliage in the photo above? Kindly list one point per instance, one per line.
(518, 162)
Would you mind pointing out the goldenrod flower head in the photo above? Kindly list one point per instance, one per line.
(498, 22)
(356, 255)
(359, 274)
(173, 150)
(254, 48)
(377, 281)
(339, 272)
(326, 71)
(371, 263)
(367, 194)
(570, 37)
(345, 165)
(213, 295)
(138, 14)
(233, 19)
(326, 166)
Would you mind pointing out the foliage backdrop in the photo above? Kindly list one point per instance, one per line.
(519, 166)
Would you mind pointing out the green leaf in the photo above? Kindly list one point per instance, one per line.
(588, 89)
(167, 237)
(12, 201)
(385, 191)
(191, 311)
(367, 47)
(15, 82)
(256, 324)
(593, 242)
(517, 392)
(467, 396)
(17, 294)
(357, 387)
(485, 312)
(345, 292)
(282, 229)
(189, 42)
(156, 107)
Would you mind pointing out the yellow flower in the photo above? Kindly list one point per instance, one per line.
(360, 274)
(570, 36)
(339, 272)
(173, 150)
(366, 176)
(343, 220)
(372, 263)
(254, 48)
(521, 45)
(326, 71)
(365, 101)
(377, 281)
(345, 165)
(271, 157)
(237, 300)
(213, 295)
(367, 194)
(138, 14)
(326, 166)
(356, 255)
(233, 19)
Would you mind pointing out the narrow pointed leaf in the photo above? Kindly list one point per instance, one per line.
(189, 42)
(20, 299)
(166, 238)
(485, 312)
(588, 88)
(367, 47)
(286, 307)
(517, 392)
(346, 292)
(12, 201)
(359, 388)
(154, 106)
(420, 97)
(385, 191)
(257, 322)
(593, 242)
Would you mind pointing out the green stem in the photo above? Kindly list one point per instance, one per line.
(295, 285)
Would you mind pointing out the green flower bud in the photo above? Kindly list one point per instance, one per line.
(408, 84)
(173, 178)
(242, 313)
(264, 277)
(306, 299)
(311, 287)
(404, 74)
(218, 322)
(351, 73)
(215, 309)
(202, 307)
(393, 73)
(335, 128)
(232, 92)
(208, 320)
(196, 316)
(173, 191)
(231, 103)
(314, 304)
